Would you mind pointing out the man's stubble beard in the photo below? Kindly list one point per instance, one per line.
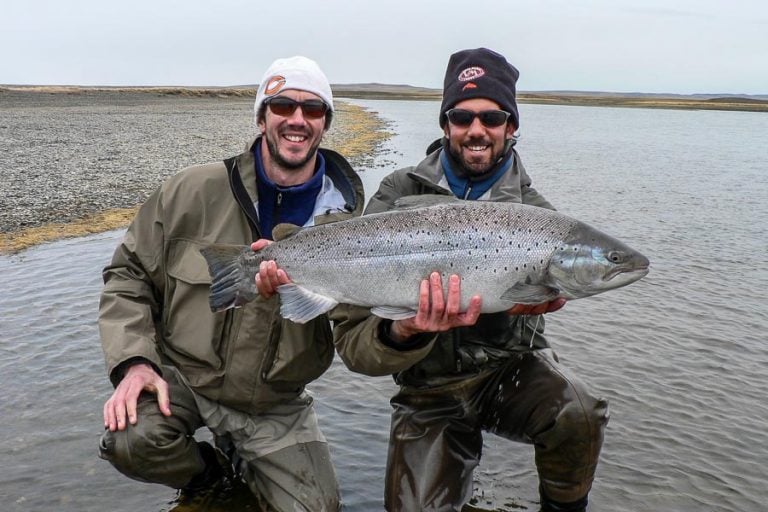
(278, 159)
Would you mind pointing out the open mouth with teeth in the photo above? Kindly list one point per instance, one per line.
(295, 138)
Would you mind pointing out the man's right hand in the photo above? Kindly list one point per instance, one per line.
(269, 276)
(122, 404)
(437, 312)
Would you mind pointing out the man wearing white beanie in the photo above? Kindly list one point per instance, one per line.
(178, 367)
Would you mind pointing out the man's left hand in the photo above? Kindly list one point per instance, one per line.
(537, 309)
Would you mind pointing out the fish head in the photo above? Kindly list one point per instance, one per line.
(589, 262)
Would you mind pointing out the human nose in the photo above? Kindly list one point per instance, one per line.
(476, 126)
(297, 116)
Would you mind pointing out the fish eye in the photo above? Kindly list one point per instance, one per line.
(615, 257)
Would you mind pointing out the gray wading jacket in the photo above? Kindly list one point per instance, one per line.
(437, 359)
(155, 300)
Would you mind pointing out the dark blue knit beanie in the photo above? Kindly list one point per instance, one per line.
(480, 73)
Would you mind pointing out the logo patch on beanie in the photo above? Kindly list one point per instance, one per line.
(470, 85)
(274, 85)
(471, 73)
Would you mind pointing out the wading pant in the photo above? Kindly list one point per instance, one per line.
(436, 434)
(281, 455)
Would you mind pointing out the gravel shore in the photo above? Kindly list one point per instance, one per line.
(66, 158)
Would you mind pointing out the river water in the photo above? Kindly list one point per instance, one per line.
(681, 355)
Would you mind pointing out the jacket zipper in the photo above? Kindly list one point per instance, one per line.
(276, 213)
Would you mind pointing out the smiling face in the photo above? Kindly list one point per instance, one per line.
(477, 146)
(289, 143)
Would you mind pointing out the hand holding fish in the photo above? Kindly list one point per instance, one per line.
(436, 312)
(269, 276)
(122, 403)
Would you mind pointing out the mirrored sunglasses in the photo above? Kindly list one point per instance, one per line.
(489, 118)
(285, 107)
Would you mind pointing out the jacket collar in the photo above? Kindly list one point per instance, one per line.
(344, 178)
(429, 172)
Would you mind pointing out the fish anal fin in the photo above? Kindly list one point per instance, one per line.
(393, 312)
(301, 305)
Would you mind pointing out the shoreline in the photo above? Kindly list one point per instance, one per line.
(724, 102)
(356, 132)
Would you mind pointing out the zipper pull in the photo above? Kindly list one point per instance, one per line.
(279, 198)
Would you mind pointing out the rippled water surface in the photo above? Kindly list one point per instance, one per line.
(681, 355)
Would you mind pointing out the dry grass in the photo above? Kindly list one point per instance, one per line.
(113, 219)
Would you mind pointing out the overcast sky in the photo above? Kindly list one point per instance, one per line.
(686, 46)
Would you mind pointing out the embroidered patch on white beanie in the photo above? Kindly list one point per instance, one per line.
(299, 73)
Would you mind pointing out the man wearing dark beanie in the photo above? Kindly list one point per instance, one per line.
(462, 373)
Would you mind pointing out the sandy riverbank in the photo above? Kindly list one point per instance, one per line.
(82, 162)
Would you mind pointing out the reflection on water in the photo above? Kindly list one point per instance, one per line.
(680, 355)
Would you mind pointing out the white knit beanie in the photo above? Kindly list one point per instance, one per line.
(298, 73)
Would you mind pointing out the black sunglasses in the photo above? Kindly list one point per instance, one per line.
(489, 118)
(284, 107)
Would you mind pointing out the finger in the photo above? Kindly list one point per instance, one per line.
(453, 303)
(556, 304)
(436, 294)
(272, 274)
(119, 408)
(260, 244)
(131, 399)
(163, 398)
(262, 281)
(422, 314)
(282, 277)
(518, 309)
(470, 316)
(109, 416)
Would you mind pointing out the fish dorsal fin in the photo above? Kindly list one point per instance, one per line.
(300, 305)
(284, 230)
(522, 293)
(420, 201)
(393, 312)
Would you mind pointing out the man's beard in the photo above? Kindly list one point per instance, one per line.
(281, 162)
(474, 170)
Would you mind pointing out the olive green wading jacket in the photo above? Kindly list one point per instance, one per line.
(431, 360)
(155, 300)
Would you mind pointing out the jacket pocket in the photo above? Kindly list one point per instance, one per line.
(194, 335)
(300, 353)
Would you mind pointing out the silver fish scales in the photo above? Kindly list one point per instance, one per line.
(508, 253)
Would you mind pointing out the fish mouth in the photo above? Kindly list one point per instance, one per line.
(628, 274)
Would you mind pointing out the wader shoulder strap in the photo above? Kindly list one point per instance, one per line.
(242, 197)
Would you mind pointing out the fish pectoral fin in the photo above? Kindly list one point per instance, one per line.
(522, 293)
(300, 305)
(393, 312)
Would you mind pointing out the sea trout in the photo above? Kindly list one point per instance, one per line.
(507, 253)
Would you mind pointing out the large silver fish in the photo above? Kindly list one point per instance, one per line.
(507, 253)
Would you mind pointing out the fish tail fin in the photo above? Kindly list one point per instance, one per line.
(231, 283)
